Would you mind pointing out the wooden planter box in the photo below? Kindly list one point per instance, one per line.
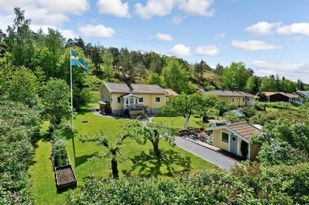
(64, 176)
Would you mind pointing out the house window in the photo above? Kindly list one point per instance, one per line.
(232, 99)
(225, 137)
(119, 100)
(141, 100)
(158, 99)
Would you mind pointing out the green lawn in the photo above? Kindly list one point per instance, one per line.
(178, 121)
(42, 177)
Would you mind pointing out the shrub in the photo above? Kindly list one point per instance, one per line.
(248, 111)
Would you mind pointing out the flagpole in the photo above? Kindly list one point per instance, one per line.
(72, 109)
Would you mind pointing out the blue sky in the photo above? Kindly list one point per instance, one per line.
(271, 37)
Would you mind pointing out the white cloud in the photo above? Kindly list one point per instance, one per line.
(253, 45)
(293, 71)
(100, 31)
(66, 33)
(65, 6)
(165, 7)
(178, 19)
(40, 16)
(164, 37)
(262, 28)
(155, 8)
(219, 36)
(5, 21)
(297, 29)
(207, 50)
(113, 7)
(180, 50)
(197, 7)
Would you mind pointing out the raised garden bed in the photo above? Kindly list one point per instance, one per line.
(64, 176)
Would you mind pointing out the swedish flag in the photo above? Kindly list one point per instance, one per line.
(76, 61)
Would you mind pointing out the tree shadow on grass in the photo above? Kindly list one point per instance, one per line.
(168, 163)
(84, 158)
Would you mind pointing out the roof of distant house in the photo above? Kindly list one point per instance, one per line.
(289, 95)
(303, 93)
(134, 88)
(227, 93)
(170, 92)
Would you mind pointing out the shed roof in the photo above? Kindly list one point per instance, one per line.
(136, 88)
(228, 93)
(244, 129)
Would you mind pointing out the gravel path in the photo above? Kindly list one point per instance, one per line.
(207, 154)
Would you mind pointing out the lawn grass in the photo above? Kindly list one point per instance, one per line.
(84, 163)
(178, 121)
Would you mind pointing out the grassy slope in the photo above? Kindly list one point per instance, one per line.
(43, 185)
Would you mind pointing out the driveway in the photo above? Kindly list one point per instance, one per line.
(216, 158)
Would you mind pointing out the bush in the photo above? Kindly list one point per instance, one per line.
(278, 105)
(248, 111)
(246, 184)
(232, 117)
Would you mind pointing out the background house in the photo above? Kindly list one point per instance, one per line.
(121, 98)
(278, 96)
(238, 98)
(236, 138)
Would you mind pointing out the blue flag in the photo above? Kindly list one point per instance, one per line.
(77, 62)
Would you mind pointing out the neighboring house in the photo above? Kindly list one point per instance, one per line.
(132, 99)
(303, 94)
(278, 96)
(237, 98)
(236, 138)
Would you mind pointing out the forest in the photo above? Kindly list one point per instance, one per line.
(34, 76)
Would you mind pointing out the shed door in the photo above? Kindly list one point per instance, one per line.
(233, 144)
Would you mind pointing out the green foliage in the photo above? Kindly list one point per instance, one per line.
(232, 117)
(280, 152)
(253, 84)
(278, 105)
(235, 76)
(23, 87)
(283, 143)
(249, 111)
(56, 100)
(268, 84)
(108, 70)
(184, 105)
(154, 78)
(248, 184)
(175, 77)
(18, 129)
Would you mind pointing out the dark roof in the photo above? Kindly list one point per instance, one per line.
(244, 129)
(136, 88)
(289, 95)
(228, 93)
(303, 94)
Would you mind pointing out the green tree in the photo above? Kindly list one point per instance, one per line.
(200, 68)
(56, 99)
(235, 76)
(154, 78)
(20, 40)
(268, 84)
(185, 105)
(23, 87)
(108, 70)
(112, 150)
(175, 76)
(252, 85)
(153, 133)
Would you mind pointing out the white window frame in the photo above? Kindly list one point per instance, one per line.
(228, 139)
(156, 99)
